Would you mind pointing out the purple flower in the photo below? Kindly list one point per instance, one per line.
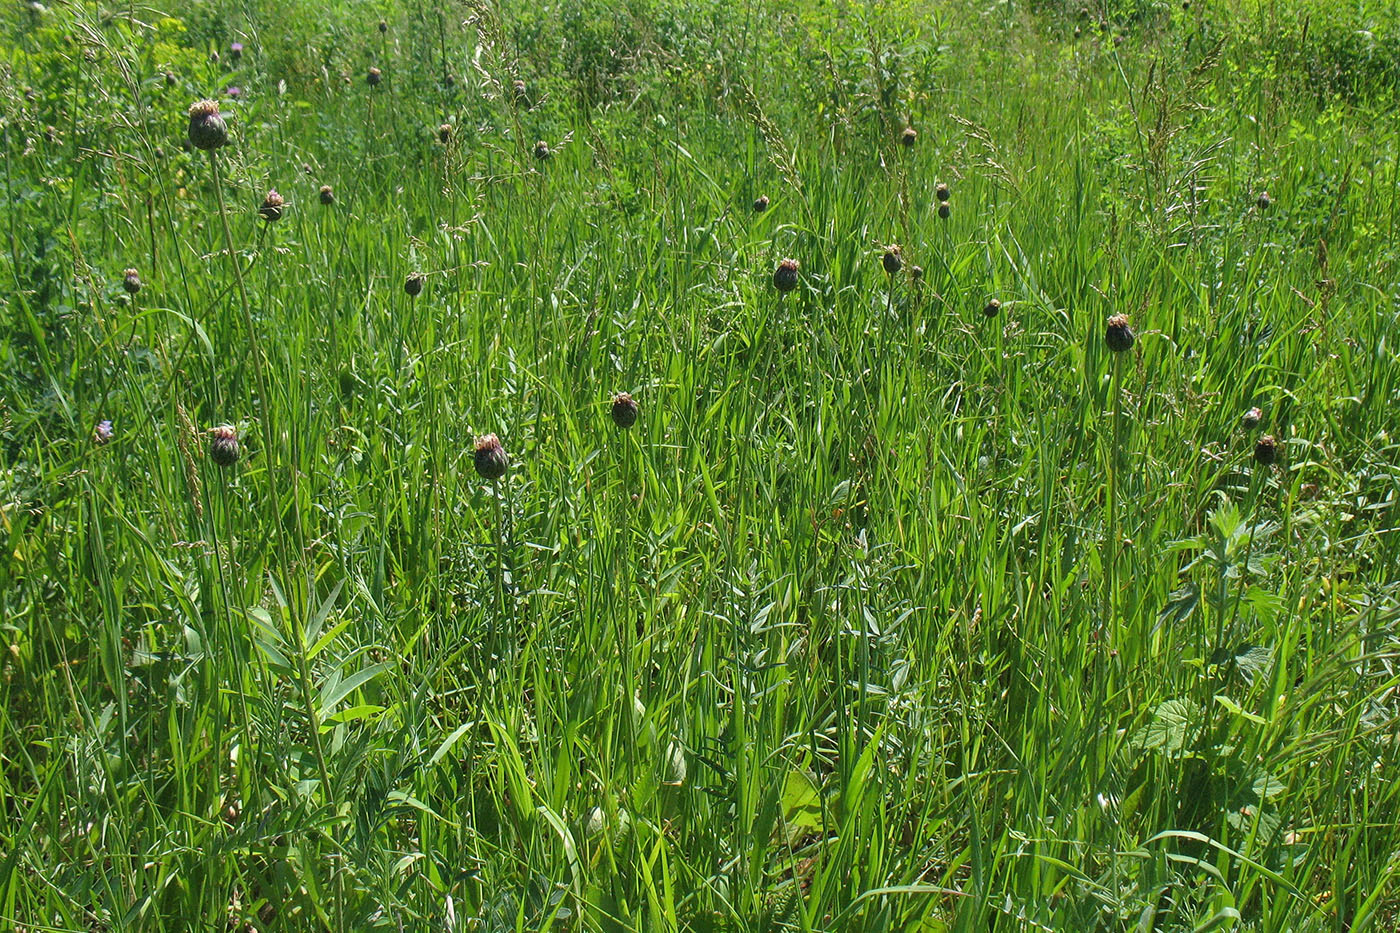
(102, 433)
(236, 50)
(234, 91)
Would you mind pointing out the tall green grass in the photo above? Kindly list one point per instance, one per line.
(886, 615)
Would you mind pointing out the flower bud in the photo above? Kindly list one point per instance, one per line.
(223, 445)
(272, 205)
(1251, 419)
(1118, 335)
(1266, 450)
(327, 195)
(624, 410)
(207, 130)
(131, 281)
(785, 276)
(490, 457)
(892, 260)
(413, 285)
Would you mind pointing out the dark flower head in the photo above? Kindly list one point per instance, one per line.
(992, 307)
(518, 86)
(542, 150)
(50, 134)
(207, 130)
(945, 210)
(1266, 450)
(624, 410)
(170, 79)
(785, 276)
(223, 445)
(383, 26)
(235, 50)
(444, 133)
(272, 205)
(909, 137)
(916, 273)
(102, 433)
(892, 260)
(327, 195)
(490, 457)
(131, 281)
(1251, 419)
(942, 191)
(413, 285)
(1264, 201)
(1118, 335)
(760, 204)
(374, 77)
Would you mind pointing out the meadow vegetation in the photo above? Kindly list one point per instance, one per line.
(914, 595)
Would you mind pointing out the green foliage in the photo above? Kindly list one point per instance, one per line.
(887, 614)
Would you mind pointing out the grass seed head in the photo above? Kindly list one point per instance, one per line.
(624, 410)
(413, 285)
(490, 457)
(1251, 419)
(271, 209)
(785, 276)
(131, 281)
(207, 129)
(223, 445)
(892, 261)
(1118, 335)
(1266, 450)
(327, 195)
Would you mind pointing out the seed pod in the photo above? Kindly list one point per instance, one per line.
(444, 133)
(1119, 336)
(945, 210)
(374, 77)
(223, 445)
(909, 137)
(761, 204)
(992, 307)
(624, 410)
(892, 260)
(207, 130)
(542, 150)
(413, 285)
(272, 205)
(1251, 419)
(490, 458)
(1266, 450)
(942, 191)
(131, 281)
(1264, 201)
(785, 276)
(327, 195)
